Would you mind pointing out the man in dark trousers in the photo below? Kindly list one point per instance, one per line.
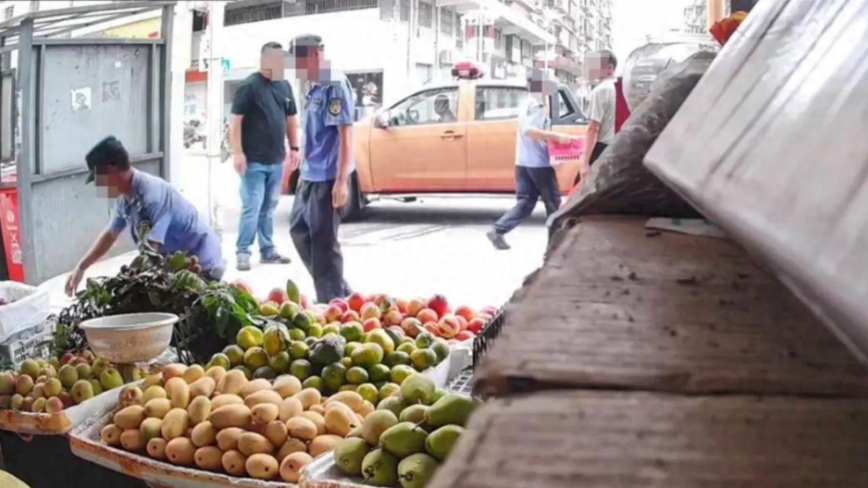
(535, 178)
(150, 207)
(264, 116)
(328, 163)
(601, 109)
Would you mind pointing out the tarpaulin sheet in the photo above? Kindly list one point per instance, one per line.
(772, 145)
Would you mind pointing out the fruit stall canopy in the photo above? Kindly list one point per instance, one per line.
(777, 153)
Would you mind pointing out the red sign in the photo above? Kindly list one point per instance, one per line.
(11, 233)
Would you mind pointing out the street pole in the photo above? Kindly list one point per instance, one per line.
(214, 111)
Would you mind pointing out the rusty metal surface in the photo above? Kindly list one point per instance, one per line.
(585, 439)
(619, 306)
(771, 145)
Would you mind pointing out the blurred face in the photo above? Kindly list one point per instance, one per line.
(272, 64)
(108, 182)
(541, 86)
(598, 67)
(307, 63)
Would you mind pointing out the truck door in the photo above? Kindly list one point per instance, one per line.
(491, 138)
(423, 147)
(567, 116)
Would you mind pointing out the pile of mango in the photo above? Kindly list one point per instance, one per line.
(332, 358)
(50, 386)
(407, 437)
(221, 421)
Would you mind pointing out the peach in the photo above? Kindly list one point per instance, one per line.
(304, 302)
(397, 330)
(243, 286)
(371, 310)
(439, 304)
(350, 316)
(462, 322)
(466, 312)
(402, 305)
(449, 326)
(415, 306)
(277, 295)
(378, 298)
(464, 335)
(371, 324)
(355, 301)
(492, 311)
(475, 326)
(427, 315)
(67, 357)
(411, 326)
(333, 313)
(393, 317)
(340, 303)
(432, 328)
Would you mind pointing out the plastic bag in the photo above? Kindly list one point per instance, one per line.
(618, 182)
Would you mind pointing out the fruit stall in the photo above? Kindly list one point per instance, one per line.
(154, 376)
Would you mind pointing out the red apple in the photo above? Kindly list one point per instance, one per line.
(464, 335)
(355, 301)
(333, 313)
(340, 303)
(475, 326)
(350, 316)
(277, 295)
(371, 324)
(439, 304)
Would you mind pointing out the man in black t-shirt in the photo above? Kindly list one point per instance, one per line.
(264, 116)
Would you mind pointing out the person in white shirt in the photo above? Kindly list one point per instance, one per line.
(601, 109)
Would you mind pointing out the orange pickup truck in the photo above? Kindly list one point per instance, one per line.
(451, 137)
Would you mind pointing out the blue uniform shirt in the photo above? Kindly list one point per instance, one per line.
(328, 106)
(174, 222)
(531, 153)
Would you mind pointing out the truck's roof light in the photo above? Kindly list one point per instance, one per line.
(466, 70)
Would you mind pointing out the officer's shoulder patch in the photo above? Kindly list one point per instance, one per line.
(335, 106)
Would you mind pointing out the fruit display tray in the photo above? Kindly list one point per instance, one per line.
(84, 441)
(64, 421)
(322, 472)
(636, 440)
(617, 306)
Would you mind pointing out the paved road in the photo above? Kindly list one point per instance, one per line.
(435, 245)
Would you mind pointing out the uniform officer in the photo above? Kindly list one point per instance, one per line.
(150, 206)
(325, 171)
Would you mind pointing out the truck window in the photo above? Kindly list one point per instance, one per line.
(498, 102)
(565, 109)
(435, 106)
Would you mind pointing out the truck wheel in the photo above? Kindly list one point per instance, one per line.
(355, 207)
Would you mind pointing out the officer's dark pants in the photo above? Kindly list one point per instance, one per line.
(314, 229)
(531, 184)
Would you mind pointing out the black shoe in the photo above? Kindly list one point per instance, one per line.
(274, 258)
(243, 263)
(497, 240)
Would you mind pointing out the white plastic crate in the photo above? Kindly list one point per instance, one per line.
(32, 343)
(28, 307)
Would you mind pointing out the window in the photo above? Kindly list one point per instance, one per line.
(426, 15)
(9, 12)
(498, 102)
(564, 107)
(437, 106)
